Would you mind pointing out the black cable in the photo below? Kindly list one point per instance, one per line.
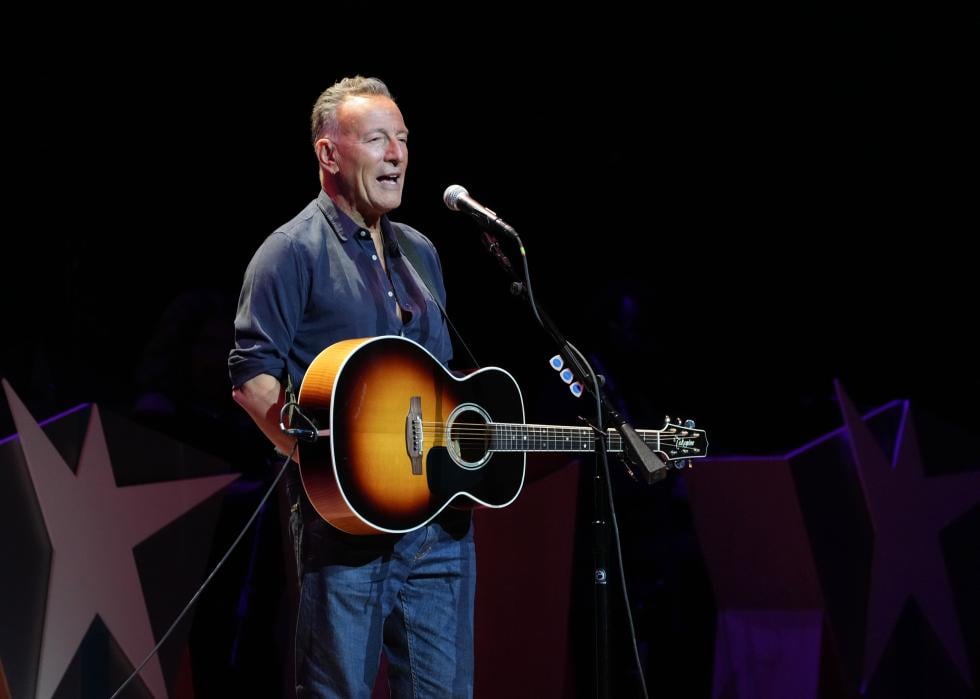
(615, 522)
(208, 580)
(307, 434)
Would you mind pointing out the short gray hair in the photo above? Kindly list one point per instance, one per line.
(324, 117)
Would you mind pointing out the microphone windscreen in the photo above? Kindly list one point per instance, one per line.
(452, 194)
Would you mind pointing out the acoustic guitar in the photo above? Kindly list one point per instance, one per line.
(402, 438)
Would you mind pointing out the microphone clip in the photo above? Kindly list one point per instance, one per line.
(493, 247)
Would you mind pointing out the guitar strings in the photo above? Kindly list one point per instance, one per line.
(440, 435)
(520, 425)
(479, 431)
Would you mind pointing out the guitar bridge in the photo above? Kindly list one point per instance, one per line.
(413, 434)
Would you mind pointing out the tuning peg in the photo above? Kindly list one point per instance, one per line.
(681, 463)
(667, 419)
(689, 424)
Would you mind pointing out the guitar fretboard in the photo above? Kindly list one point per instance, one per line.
(516, 437)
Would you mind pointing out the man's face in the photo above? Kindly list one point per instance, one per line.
(370, 154)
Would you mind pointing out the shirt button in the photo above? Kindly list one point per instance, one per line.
(374, 257)
(363, 234)
(391, 293)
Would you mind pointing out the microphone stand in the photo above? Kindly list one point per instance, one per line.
(641, 462)
(636, 452)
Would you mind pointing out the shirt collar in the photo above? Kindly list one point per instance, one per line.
(343, 225)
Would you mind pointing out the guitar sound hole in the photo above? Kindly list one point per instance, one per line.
(469, 437)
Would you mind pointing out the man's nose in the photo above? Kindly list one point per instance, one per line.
(395, 152)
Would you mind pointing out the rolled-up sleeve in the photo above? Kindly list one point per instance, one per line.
(274, 293)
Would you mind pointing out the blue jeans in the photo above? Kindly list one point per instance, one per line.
(411, 595)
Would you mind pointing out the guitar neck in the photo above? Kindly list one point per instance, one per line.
(520, 437)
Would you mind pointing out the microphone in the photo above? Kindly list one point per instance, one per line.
(458, 199)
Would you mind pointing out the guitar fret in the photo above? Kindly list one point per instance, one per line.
(615, 443)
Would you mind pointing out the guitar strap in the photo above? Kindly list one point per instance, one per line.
(414, 259)
(411, 253)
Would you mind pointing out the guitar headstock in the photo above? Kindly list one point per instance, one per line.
(680, 442)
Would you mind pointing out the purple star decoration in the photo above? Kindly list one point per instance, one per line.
(908, 511)
(815, 557)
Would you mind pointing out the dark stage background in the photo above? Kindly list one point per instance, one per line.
(726, 207)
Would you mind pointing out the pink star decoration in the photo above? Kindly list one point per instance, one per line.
(908, 511)
(93, 526)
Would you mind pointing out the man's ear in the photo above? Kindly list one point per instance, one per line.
(326, 152)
